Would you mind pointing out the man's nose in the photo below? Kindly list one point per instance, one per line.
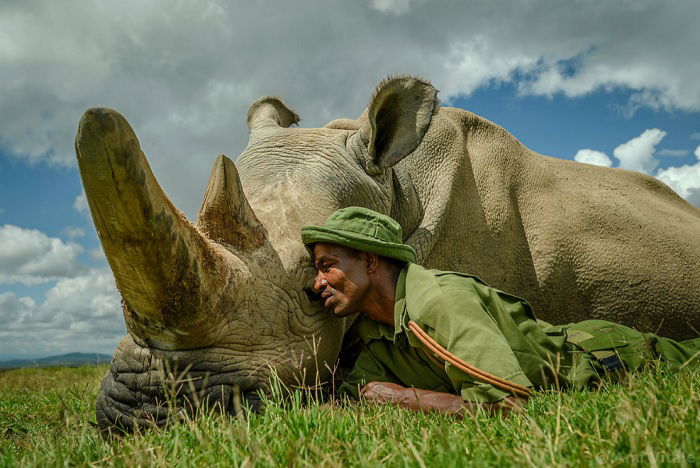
(320, 283)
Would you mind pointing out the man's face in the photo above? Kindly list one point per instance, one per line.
(342, 278)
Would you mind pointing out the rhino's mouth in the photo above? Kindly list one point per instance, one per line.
(144, 390)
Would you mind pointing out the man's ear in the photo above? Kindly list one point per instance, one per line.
(398, 115)
(371, 262)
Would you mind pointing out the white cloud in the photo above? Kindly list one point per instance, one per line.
(77, 314)
(695, 136)
(685, 180)
(676, 153)
(638, 153)
(97, 254)
(395, 7)
(14, 310)
(81, 311)
(80, 204)
(73, 232)
(29, 256)
(184, 75)
(693, 197)
(593, 157)
(86, 297)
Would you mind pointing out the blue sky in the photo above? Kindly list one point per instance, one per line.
(560, 126)
(591, 80)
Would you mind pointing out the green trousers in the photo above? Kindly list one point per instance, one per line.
(601, 347)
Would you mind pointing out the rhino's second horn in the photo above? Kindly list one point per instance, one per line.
(225, 215)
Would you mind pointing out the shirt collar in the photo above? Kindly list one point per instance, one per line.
(400, 303)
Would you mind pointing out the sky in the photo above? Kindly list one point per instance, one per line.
(608, 83)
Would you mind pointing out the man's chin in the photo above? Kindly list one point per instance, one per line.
(341, 312)
(338, 313)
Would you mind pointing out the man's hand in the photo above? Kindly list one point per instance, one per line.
(424, 400)
(413, 398)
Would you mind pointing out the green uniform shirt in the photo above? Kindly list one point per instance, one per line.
(494, 331)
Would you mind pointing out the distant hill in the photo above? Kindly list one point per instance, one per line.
(63, 360)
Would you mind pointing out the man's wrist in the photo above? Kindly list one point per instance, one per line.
(437, 401)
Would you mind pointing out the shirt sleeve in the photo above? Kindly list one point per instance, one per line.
(459, 321)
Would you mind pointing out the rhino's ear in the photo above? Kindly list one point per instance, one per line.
(270, 111)
(398, 116)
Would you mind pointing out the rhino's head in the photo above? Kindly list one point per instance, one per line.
(214, 308)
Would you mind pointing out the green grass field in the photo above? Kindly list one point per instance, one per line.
(46, 414)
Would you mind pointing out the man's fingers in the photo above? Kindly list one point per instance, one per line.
(374, 387)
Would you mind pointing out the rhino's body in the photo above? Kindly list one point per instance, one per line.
(578, 241)
(231, 299)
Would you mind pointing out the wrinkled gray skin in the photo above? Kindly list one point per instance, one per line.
(213, 308)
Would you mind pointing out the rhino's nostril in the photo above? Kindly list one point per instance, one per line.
(312, 295)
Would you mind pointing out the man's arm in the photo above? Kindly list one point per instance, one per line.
(424, 400)
(459, 322)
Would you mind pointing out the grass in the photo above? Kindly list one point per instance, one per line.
(653, 420)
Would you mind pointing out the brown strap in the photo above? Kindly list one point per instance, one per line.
(475, 372)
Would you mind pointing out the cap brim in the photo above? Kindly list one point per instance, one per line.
(313, 234)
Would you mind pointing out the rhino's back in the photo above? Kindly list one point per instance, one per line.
(578, 241)
(629, 244)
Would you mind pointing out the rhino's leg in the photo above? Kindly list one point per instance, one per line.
(176, 284)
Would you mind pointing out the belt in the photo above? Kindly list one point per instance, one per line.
(475, 372)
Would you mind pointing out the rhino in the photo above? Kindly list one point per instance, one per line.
(218, 306)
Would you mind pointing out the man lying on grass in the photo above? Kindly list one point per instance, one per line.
(443, 341)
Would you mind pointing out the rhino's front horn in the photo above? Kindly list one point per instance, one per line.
(171, 277)
(225, 215)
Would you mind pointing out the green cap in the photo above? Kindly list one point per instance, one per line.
(361, 229)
